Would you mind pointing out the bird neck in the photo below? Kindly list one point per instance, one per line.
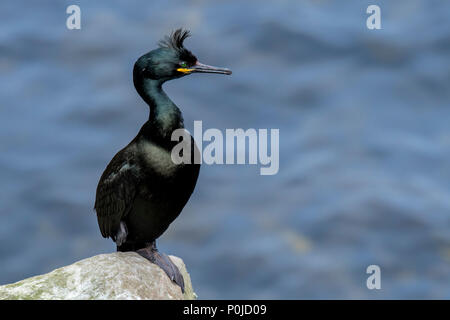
(165, 117)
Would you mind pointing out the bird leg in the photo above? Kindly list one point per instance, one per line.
(151, 253)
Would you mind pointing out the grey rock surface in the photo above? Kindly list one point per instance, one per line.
(118, 275)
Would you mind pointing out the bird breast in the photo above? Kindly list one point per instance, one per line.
(158, 158)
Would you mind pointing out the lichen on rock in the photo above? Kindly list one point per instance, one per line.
(119, 275)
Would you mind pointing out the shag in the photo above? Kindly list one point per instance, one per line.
(142, 190)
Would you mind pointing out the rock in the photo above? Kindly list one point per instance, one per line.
(119, 275)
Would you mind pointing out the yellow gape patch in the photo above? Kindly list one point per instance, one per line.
(184, 70)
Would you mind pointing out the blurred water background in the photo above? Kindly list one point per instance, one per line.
(364, 141)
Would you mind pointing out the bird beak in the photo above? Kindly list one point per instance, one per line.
(203, 68)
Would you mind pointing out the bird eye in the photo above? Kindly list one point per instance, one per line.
(183, 64)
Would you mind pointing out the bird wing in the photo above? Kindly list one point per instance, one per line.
(116, 192)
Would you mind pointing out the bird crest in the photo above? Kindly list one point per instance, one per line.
(175, 40)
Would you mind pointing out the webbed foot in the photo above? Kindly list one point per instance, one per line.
(152, 254)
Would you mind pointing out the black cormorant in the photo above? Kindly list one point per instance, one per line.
(142, 190)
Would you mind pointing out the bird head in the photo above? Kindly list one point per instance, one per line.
(172, 60)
